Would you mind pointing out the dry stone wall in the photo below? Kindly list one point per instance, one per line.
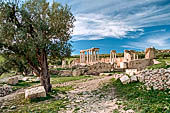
(158, 78)
(140, 64)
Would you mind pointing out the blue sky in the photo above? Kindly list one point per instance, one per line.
(120, 24)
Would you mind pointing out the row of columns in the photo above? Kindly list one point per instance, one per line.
(91, 56)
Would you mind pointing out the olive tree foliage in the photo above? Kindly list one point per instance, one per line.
(32, 30)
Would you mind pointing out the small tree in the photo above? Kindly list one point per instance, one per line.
(28, 31)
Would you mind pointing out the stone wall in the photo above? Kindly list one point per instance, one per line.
(158, 78)
(140, 63)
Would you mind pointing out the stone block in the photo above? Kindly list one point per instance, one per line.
(77, 72)
(131, 72)
(125, 79)
(133, 78)
(35, 92)
(12, 80)
(65, 73)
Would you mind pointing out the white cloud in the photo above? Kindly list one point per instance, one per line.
(160, 41)
(100, 19)
(99, 26)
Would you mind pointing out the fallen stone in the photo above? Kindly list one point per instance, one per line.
(65, 73)
(12, 80)
(77, 72)
(133, 78)
(105, 74)
(35, 92)
(25, 78)
(13, 107)
(125, 79)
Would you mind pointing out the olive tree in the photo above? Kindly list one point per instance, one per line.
(29, 30)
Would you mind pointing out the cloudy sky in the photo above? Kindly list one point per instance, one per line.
(120, 24)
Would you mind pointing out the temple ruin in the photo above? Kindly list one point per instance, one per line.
(130, 60)
(89, 56)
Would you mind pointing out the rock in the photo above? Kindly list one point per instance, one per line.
(35, 92)
(3, 107)
(141, 78)
(5, 90)
(130, 111)
(77, 72)
(125, 79)
(13, 107)
(133, 78)
(105, 74)
(12, 80)
(168, 82)
(25, 78)
(131, 72)
(65, 73)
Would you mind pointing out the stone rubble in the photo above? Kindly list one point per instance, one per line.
(5, 90)
(156, 79)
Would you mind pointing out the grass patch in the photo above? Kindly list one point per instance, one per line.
(23, 84)
(2, 59)
(39, 105)
(161, 65)
(136, 97)
(56, 80)
(61, 89)
(5, 75)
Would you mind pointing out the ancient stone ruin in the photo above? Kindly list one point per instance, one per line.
(129, 61)
(89, 56)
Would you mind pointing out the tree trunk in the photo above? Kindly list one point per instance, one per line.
(44, 75)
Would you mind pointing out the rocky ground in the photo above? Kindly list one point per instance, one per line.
(88, 96)
(91, 97)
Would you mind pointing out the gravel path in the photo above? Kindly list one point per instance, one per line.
(90, 97)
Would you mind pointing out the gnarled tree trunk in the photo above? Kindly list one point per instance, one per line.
(44, 75)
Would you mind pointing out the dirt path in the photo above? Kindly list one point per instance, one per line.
(21, 91)
(90, 97)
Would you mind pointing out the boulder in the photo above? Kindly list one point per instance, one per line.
(77, 72)
(12, 80)
(35, 92)
(105, 74)
(133, 78)
(125, 79)
(65, 73)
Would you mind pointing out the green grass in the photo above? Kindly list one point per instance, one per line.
(136, 97)
(23, 84)
(161, 65)
(56, 80)
(47, 104)
(1, 59)
(4, 75)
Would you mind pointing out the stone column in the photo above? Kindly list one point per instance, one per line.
(84, 57)
(134, 56)
(87, 57)
(95, 57)
(110, 57)
(80, 57)
(91, 55)
(98, 55)
(137, 57)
